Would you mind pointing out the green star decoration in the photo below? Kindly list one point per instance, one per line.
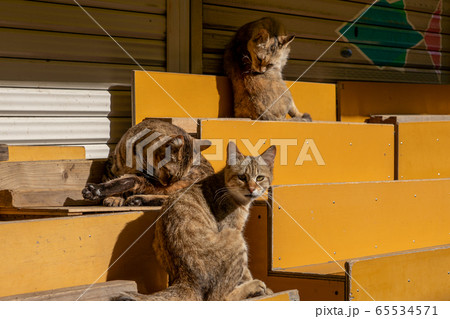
(384, 46)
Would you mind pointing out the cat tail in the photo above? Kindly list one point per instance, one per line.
(176, 292)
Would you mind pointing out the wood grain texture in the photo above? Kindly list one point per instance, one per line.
(258, 235)
(26, 197)
(4, 152)
(352, 220)
(196, 36)
(420, 274)
(98, 292)
(41, 253)
(290, 295)
(45, 175)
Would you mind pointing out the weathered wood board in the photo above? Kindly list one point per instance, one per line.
(357, 101)
(423, 150)
(98, 292)
(318, 152)
(350, 220)
(203, 96)
(420, 274)
(64, 252)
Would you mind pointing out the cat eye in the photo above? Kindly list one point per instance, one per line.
(260, 178)
(242, 177)
(259, 59)
(269, 65)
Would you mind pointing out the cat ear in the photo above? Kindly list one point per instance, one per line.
(269, 155)
(233, 154)
(285, 40)
(262, 36)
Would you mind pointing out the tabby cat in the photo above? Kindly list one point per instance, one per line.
(199, 237)
(152, 160)
(254, 60)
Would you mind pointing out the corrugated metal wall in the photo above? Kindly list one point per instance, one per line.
(63, 81)
(396, 40)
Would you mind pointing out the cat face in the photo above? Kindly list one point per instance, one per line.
(247, 177)
(268, 52)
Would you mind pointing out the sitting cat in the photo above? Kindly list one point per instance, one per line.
(152, 160)
(199, 237)
(254, 60)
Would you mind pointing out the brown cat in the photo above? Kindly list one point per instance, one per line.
(199, 238)
(153, 159)
(254, 60)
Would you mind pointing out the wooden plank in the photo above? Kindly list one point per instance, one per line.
(420, 274)
(45, 153)
(358, 100)
(334, 72)
(27, 197)
(69, 18)
(4, 152)
(339, 10)
(76, 47)
(330, 268)
(312, 287)
(148, 6)
(211, 96)
(351, 220)
(103, 291)
(290, 295)
(173, 38)
(200, 96)
(396, 119)
(424, 150)
(196, 36)
(42, 175)
(40, 253)
(59, 74)
(317, 152)
(187, 124)
(74, 210)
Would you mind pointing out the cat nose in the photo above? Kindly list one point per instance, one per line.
(251, 189)
(263, 69)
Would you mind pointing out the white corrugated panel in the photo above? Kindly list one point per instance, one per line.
(95, 151)
(61, 102)
(61, 130)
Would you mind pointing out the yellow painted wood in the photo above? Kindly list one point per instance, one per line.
(291, 295)
(312, 152)
(414, 275)
(19, 153)
(352, 220)
(310, 288)
(205, 96)
(54, 253)
(359, 100)
(424, 150)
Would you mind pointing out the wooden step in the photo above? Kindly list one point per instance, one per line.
(315, 152)
(19, 153)
(311, 286)
(208, 96)
(53, 253)
(337, 222)
(98, 292)
(290, 295)
(359, 100)
(420, 274)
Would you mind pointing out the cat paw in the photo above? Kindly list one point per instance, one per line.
(306, 117)
(134, 201)
(92, 192)
(113, 201)
(124, 296)
(257, 288)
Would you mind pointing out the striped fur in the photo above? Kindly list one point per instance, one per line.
(132, 178)
(199, 238)
(253, 61)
